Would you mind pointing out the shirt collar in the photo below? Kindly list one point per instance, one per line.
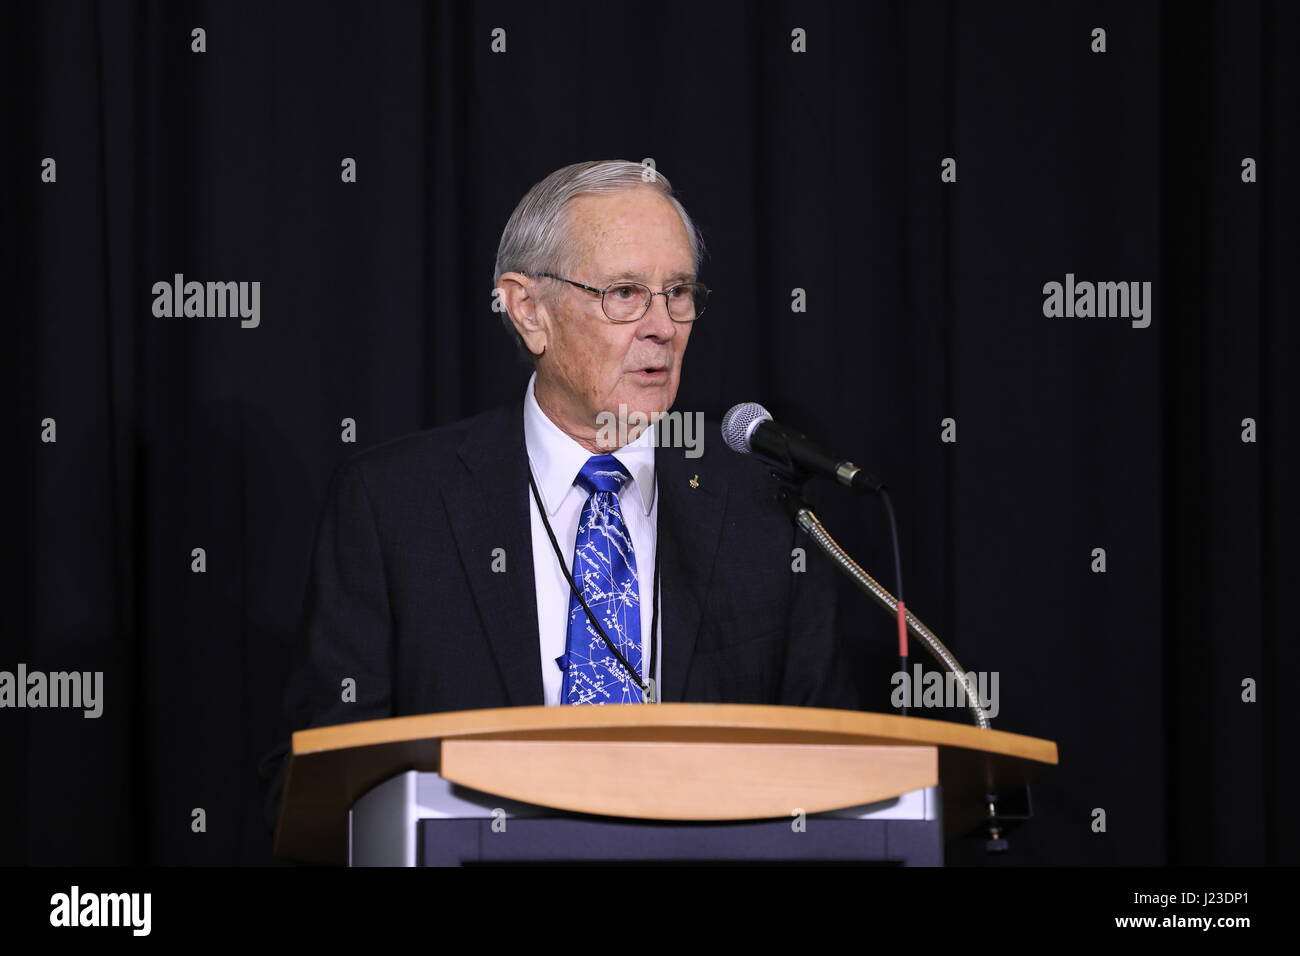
(557, 459)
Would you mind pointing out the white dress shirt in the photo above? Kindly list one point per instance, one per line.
(556, 459)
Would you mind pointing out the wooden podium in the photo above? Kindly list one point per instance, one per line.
(686, 763)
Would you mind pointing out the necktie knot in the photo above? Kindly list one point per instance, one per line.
(602, 473)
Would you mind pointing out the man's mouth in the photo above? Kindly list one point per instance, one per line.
(652, 373)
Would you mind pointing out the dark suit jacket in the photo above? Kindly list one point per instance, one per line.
(402, 596)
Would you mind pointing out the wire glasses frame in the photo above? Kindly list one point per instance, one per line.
(694, 293)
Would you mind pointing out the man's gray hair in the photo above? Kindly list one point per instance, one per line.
(536, 237)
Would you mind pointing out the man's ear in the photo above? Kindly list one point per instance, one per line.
(527, 312)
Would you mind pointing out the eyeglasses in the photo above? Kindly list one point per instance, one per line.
(629, 301)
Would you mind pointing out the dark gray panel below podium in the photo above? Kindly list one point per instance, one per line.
(568, 840)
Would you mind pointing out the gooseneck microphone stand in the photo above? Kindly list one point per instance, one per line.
(790, 495)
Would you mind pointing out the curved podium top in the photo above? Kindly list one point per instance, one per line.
(661, 761)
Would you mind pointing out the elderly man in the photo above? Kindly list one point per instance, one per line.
(522, 556)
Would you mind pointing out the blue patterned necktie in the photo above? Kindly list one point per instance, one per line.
(604, 570)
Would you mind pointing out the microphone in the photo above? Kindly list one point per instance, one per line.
(748, 428)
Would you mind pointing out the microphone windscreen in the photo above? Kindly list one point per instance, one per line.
(739, 423)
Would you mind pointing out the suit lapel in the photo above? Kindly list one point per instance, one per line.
(488, 509)
(690, 526)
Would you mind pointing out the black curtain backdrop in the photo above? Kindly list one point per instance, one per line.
(817, 171)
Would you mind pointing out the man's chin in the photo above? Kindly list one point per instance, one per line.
(632, 415)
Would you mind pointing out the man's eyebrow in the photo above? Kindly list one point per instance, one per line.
(635, 276)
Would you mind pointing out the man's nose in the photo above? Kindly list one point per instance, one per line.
(658, 321)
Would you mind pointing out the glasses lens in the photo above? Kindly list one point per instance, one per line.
(686, 301)
(626, 301)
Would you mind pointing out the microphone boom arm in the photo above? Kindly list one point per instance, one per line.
(806, 519)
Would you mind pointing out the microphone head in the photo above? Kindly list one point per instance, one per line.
(739, 423)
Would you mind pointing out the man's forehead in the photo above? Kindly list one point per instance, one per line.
(618, 243)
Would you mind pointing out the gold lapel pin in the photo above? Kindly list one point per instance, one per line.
(695, 481)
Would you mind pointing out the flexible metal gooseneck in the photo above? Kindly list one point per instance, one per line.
(808, 521)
